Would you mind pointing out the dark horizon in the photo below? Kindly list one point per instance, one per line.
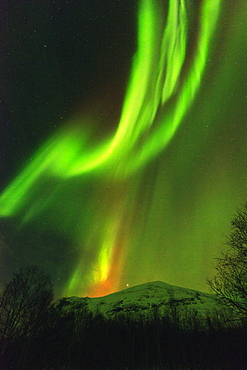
(100, 207)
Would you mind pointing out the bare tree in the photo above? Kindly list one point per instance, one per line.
(23, 301)
(230, 282)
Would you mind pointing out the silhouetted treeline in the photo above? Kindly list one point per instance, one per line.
(79, 339)
(35, 335)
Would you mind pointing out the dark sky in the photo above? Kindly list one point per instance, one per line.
(58, 56)
(65, 69)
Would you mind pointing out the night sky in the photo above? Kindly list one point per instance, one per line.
(123, 139)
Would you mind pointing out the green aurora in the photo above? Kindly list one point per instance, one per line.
(131, 207)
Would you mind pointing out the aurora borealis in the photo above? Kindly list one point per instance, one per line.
(133, 186)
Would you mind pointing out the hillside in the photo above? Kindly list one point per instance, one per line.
(142, 299)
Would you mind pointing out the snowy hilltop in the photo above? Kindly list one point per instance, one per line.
(142, 299)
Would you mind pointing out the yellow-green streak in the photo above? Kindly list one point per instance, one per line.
(147, 124)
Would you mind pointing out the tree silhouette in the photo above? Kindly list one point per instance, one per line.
(23, 302)
(230, 282)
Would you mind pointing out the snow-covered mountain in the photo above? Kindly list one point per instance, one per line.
(141, 299)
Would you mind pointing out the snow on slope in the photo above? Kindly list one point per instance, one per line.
(142, 299)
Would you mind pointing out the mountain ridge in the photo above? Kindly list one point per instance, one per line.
(142, 299)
